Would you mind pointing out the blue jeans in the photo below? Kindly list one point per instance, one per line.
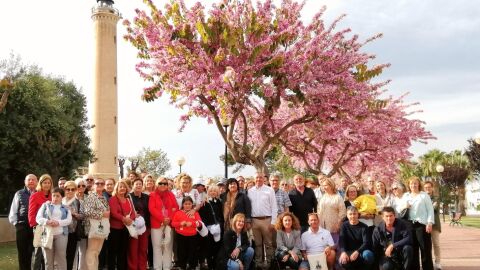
(246, 258)
(364, 261)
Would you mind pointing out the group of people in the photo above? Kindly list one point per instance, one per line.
(187, 224)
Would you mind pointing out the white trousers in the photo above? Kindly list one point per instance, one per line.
(162, 250)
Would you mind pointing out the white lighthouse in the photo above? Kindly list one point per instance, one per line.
(105, 132)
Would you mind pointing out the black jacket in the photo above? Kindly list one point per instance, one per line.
(208, 209)
(141, 206)
(242, 205)
(230, 242)
(401, 236)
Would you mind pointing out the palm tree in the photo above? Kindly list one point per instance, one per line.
(429, 161)
(457, 172)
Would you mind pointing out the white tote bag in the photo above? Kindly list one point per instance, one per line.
(99, 228)
(43, 236)
(317, 261)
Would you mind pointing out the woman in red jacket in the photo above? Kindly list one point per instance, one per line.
(121, 215)
(186, 228)
(162, 206)
(43, 194)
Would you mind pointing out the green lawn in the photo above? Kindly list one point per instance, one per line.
(8, 256)
(471, 221)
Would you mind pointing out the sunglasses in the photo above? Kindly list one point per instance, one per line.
(162, 184)
(395, 188)
(82, 186)
(284, 185)
(90, 179)
(99, 183)
(70, 189)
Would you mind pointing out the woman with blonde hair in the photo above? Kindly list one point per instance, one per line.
(148, 184)
(421, 216)
(211, 214)
(73, 205)
(289, 241)
(43, 194)
(236, 245)
(95, 207)
(81, 229)
(162, 206)
(185, 189)
(121, 215)
(331, 208)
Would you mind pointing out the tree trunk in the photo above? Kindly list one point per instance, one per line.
(260, 166)
(4, 99)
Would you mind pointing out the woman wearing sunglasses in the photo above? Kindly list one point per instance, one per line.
(162, 206)
(73, 204)
(81, 228)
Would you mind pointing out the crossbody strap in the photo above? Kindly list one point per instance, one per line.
(213, 212)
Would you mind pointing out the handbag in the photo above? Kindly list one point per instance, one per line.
(99, 228)
(43, 236)
(214, 229)
(139, 222)
(132, 231)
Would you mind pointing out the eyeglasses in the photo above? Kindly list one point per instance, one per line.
(395, 188)
(70, 189)
(89, 179)
(99, 183)
(162, 184)
(284, 185)
(82, 186)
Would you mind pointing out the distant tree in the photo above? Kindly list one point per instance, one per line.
(457, 171)
(473, 154)
(43, 130)
(152, 161)
(9, 70)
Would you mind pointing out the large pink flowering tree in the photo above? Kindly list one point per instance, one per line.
(262, 69)
(370, 143)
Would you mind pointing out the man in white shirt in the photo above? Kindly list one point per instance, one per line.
(317, 240)
(264, 215)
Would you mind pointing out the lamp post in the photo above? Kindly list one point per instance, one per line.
(225, 123)
(180, 162)
(439, 170)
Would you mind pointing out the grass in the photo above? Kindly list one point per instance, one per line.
(471, 221)
(8, 256)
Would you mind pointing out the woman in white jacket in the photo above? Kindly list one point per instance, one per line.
(58, 217)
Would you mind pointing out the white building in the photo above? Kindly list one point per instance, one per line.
(472, 197)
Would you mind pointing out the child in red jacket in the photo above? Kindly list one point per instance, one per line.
(186, 228)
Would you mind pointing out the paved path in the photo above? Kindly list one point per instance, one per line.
(460, 247)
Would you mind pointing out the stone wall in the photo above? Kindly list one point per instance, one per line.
(7, 230)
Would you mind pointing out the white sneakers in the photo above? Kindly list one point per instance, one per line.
(438, 266)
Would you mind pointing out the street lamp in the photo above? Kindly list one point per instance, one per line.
(180, 162)
(225, 123)
(440, 170)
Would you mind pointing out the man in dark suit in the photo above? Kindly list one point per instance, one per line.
(392, 242)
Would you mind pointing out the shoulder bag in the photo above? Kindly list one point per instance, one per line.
(43, 236)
